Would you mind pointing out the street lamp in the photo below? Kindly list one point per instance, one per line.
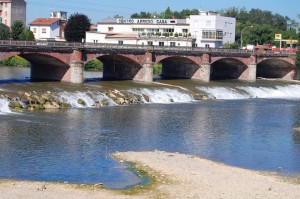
(242, 35)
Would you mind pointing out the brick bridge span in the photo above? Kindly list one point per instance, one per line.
(59, 61)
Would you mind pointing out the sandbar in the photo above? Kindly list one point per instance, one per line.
(174, 176)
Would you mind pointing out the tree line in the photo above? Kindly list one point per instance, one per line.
(17, 31)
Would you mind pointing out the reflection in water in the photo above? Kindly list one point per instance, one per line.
(72, 145)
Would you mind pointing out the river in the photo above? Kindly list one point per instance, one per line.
(248, 124)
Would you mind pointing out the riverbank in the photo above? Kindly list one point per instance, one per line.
(176, 176)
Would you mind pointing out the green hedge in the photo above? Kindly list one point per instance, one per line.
(94, 65)
(157, 68)
(15, 61)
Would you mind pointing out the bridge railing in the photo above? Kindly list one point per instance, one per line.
(117, 46)
(165, 48)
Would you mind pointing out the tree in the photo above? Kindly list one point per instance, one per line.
(76, 27)
(4, 32)
(17, 28)
(27, 35)
(168, 14)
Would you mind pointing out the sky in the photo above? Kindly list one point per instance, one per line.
(99, 9)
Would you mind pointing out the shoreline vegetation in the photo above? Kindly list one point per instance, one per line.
(173, 175)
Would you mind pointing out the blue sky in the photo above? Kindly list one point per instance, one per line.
(97, 9)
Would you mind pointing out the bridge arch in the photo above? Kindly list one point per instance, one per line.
(227, 68)
(276, 68)
(119, 67)
(175, 67)
(46, 67)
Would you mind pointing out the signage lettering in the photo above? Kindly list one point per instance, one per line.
(146, 21)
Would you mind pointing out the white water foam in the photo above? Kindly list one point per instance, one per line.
(223, 93)
(4, 107)
(89, 98)
(247, 92)
(163, 96)
(280, 92)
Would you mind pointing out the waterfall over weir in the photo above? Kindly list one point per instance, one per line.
(93, 97)
(247, 92)
(4, 106)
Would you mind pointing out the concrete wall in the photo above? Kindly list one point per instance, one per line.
(18, 11)
(51, 31)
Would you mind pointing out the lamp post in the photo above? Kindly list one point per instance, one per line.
(242, 35)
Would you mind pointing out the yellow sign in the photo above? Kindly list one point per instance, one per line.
(278, 36)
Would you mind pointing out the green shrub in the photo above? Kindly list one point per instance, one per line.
(15, 61)
(157, 68)
(94, 65)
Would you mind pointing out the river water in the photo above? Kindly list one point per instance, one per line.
(249, 125)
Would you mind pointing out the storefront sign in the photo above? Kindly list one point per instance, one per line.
(146, 21)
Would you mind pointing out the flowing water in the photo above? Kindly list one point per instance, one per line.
(249, 125)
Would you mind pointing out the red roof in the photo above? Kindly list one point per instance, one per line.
(44, 21)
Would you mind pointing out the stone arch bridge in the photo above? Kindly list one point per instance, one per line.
(59, 61)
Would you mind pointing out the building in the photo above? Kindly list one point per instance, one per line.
(212, 30)
(208, 29)
(50, 29)
(11, 10)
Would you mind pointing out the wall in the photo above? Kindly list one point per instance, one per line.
(51, 31)
(18, 11)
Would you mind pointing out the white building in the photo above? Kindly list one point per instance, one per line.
(158, 32)
(208, 29)
(212, 30)
(50, 28)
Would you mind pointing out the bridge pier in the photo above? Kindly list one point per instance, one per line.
(75, 72)
(145, 74)
(203, 73)
(250, 73)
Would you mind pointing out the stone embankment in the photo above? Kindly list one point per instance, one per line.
(31, 101)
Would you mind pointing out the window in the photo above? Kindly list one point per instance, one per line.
(44, 30)
(206, 45)
(161, 43)
(219, 34)
(110, 29)
(172, 44)
(150, 43)
(212, 34)
(185, 30)
(138, 29)
(168, 30)
(34, 30)
(120, 42)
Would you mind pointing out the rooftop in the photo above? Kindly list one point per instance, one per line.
(44, 21)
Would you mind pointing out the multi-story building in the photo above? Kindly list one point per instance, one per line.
(211, 29)
(208, 29)
(11, 10)
(52, 28)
